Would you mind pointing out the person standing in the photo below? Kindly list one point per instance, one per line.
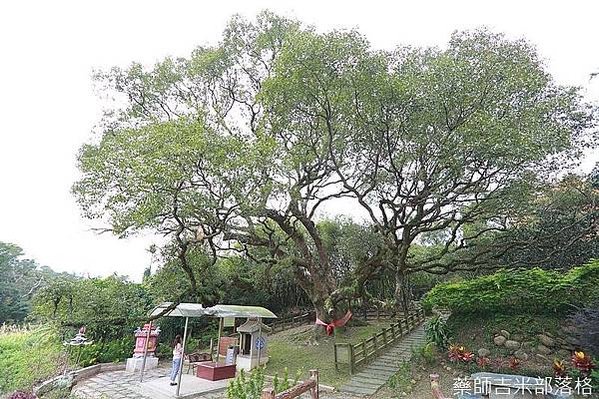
(177, 358)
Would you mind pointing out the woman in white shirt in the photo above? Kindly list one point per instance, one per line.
(177, 358)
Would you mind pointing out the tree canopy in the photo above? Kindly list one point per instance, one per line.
(240, 147)
(21, 279)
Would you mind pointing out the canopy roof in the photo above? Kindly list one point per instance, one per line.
(197, 310)
(253, 325)
(181, 310)
(240, 311)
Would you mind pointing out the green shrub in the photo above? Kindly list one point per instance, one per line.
(284, 383)
(247, 387)
(437, 332)
(427, 353)
(534, 291)
(164, 351)
(104, 352)
(401, 381)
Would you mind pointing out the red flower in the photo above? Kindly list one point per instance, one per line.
(459, 353)
(514, 363)
(466, 356)
(483, 362)
(582, 362)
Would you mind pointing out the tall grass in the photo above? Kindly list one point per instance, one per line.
(28, 355)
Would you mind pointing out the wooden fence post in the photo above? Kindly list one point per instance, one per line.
(336, 362)
(268, 393)
(374, 344)
(314, 392)
(351, 358)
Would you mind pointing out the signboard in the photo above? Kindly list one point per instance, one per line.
(342, 354)
(230, 359)
(260, 343)
(228, 321)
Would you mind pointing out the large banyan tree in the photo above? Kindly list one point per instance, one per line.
(241, 146)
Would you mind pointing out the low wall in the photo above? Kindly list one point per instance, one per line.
(88, 372)
(72, 377)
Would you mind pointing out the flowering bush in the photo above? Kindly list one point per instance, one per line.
(458, 353)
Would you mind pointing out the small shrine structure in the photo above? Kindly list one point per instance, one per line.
(146, 341)
(223, 367)
(252, 344)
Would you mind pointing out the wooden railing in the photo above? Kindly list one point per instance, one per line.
(295, 391)
(355, 355)
(296, 321)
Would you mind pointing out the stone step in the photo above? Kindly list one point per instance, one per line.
(390, 363)
(372, 384)
(378, 372)
(393, 363)
(382, 369)
(358, 390)
(370, 379)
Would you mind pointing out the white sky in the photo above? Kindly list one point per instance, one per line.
(47, 108)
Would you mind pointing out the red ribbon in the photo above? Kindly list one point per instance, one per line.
(330, 327)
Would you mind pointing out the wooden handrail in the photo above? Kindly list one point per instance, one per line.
(437, 394)
(310, 385)
(367, 348)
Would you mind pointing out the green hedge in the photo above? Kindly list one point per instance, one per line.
(104, 352)
(523, 291)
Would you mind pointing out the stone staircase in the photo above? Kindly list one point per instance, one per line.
(380, 370)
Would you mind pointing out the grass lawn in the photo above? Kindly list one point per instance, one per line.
(290, 349)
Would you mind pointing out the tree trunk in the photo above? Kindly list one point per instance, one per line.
(402, 291)
(320, 299)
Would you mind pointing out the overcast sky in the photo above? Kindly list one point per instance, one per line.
(47, 107)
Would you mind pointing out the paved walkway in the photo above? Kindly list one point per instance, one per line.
(118, 385)
(124, 385)
(377, 373)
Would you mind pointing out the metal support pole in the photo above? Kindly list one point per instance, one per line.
(259, 339)
(182, 358)
(251, 350)
(220, 332)
(143, 363)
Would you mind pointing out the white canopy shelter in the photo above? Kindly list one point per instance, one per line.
(188, 310)
(197, 310)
